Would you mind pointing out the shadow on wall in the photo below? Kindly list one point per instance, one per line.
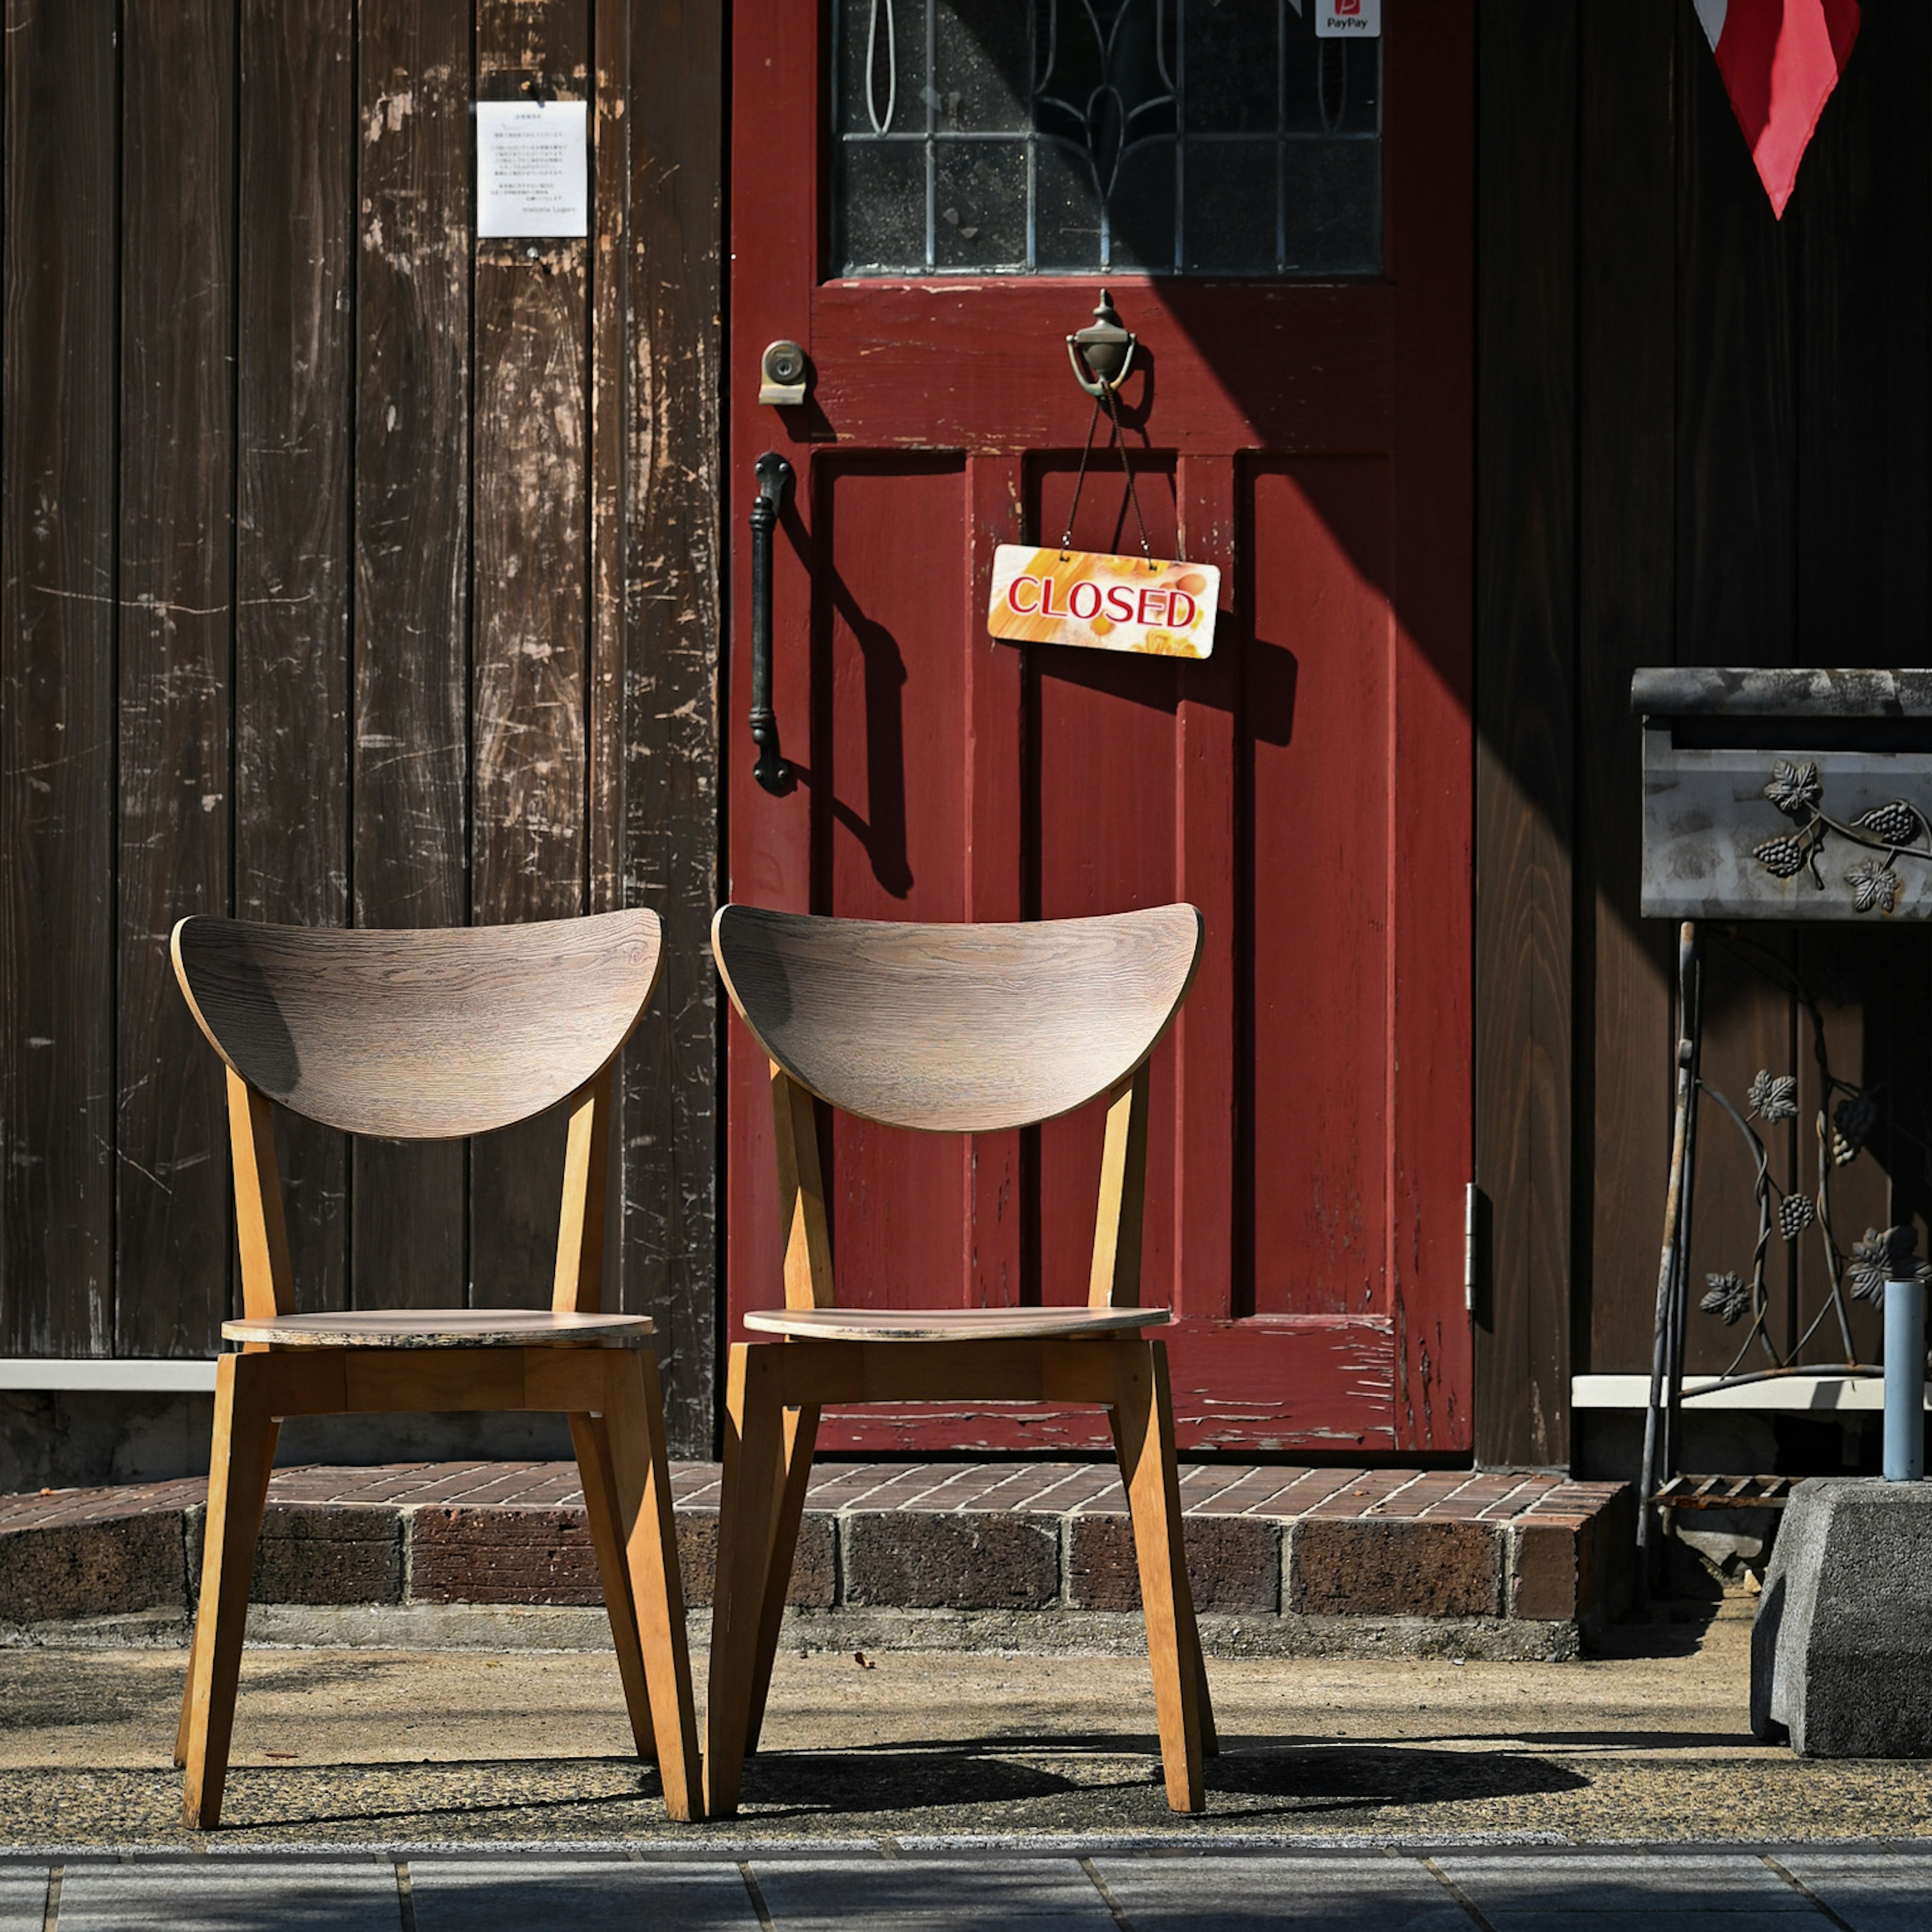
(77, 1439)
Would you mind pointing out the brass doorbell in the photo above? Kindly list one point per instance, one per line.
(781, 375)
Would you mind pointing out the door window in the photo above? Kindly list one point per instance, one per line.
(1083, 136)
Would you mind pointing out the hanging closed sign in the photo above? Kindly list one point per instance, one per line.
(1102, 603)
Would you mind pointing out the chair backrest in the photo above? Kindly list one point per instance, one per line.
(957, 1029)
(419, 1035)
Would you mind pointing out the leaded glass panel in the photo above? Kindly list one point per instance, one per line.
(1080, 136)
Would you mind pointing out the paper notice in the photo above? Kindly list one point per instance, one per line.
(532, 168)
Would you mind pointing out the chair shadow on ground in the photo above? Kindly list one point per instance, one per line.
(1302, 1778)
(1046, 1780)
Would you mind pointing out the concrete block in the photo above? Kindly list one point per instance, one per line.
(331, 1895)
(1841, 1651)
(1875, 1890)
(592, 1894)
(498, 1556)
(1374, 1566)
(1607, 1560)
(107, 1568)
(1546, 1572)
(1239, 1894)
(986, 1893)
(914, 1559)
(316, 1553)
(1607, 1892)
(1234, 1563)
(814, 1570)
(23, 1899)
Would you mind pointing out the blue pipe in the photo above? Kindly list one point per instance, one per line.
(1904, 1382)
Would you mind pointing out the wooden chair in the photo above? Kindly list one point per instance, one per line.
(429, 1036)
(959, 1029)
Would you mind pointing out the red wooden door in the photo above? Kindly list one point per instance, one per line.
(1308, 788)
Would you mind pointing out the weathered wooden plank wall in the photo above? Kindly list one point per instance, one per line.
(353, 569)
(1703, 440)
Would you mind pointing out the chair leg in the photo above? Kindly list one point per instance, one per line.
(187, 1697)
(1146, 1422)
(801, 1432)
(590, 1437)
(1211, 1739)
(641, 1479)
(238, 1490)
(754, 1444)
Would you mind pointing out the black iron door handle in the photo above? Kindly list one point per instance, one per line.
(773, 473)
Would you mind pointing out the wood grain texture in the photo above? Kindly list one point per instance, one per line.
(900, 1022)
(590, 1440)
(808, 1281)
(750, 1490)
(410, 691)
(270, 303)
(767, 1466)
(420, 1035)
(57, 686)
(577, 1283)
(1737, 431)
(659, 642)
(243, 1453)
(1863, 349)
(949, 1325)
(957, 1029)
(800, 1435)
(530, 424)
(1627, 526)
(461, 1359)
(1114, 1282)
(175, 811)
(633, 1410)
(261, 1227)
(996, 1164)
(1433, 137)
(1859, 252)
(1144, 1430)
(438, 1328)
(1122, 783)
(1209, 780)
(1737, 542)
(1526, 618)
(295, 345)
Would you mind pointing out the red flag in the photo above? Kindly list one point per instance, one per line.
(1780, 60)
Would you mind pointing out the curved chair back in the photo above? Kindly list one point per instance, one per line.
(419, 1035)
(957, 1029)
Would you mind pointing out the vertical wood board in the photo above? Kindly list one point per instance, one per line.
(295, 344)
(529, 696)
(410, 691)
(1526, 613)
(175, 811)
(58, 542)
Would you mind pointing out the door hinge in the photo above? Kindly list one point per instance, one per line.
(1470, 1196)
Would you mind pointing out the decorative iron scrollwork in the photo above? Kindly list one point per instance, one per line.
(1847, 1120)
(1895, 830)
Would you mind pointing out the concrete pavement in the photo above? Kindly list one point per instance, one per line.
(1105, 1889)
(422, 1789)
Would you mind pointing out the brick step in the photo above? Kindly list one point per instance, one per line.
(1263, 1542)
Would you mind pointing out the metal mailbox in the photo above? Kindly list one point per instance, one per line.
(1786, 794)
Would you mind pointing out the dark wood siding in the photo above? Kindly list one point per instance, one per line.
(275, 431)
(1703, 440)
(353, 570)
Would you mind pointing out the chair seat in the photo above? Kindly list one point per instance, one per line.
(951, 1325)
(439, 1328)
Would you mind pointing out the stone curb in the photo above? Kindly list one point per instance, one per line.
(1562, 1564)
(506, 1628)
